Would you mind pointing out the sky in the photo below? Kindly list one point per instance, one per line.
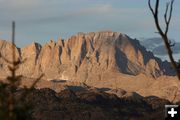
(42, 20)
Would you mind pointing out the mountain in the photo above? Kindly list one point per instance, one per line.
(100, 59)
(85, 57)
(156, 46)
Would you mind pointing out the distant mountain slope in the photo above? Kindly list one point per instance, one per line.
(151, 43)
(156, 45)
(161, 50)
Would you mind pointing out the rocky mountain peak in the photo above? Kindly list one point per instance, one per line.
(89, 57)
(60, 42)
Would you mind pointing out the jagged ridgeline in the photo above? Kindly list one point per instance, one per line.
(86, 57)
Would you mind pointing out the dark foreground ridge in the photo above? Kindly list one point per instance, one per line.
(93, 105)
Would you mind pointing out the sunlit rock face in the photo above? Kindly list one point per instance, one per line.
(85, 57)
(6, 57)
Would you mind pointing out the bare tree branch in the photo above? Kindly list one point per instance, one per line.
(165, 14)
(171, 44)
(149, 3)
(168, 18)
(164, 36)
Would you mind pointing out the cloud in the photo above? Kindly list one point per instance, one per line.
(96, 12)
(17, 9)
(106, 9)
(89, 11)
(18, 4)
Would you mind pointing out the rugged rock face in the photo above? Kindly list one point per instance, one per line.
(91, 57)
(6, 56)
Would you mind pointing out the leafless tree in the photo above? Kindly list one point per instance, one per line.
(164, 33)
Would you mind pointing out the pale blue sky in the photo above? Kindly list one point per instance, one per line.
(41, 20)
